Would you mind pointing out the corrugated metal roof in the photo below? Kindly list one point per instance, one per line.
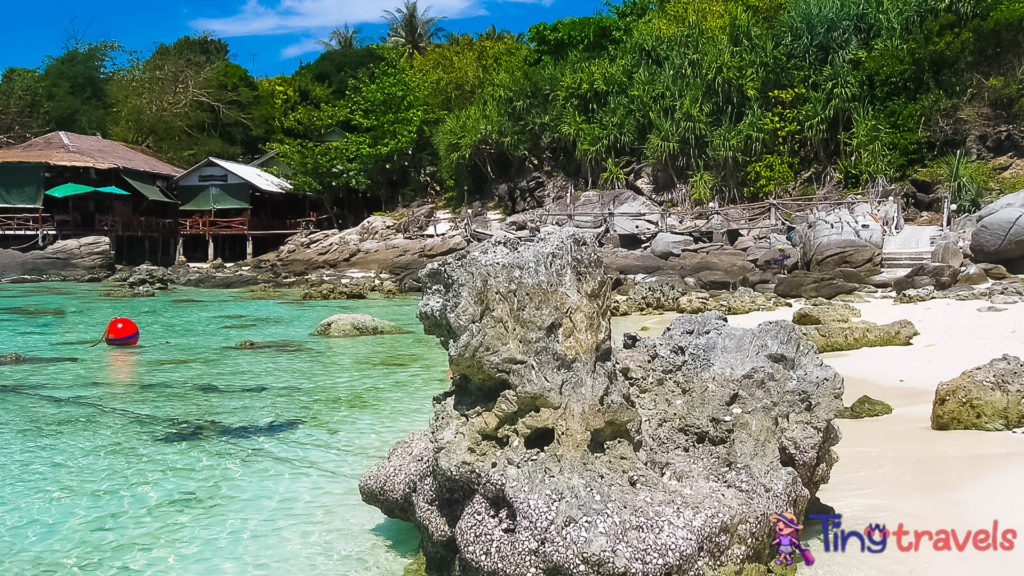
(261, 179)
(68, 149)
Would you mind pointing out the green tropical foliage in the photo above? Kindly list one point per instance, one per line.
(722, 100)
(411, 27)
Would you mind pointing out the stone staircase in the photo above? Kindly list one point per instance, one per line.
(912, 246)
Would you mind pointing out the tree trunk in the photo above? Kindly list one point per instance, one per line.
(330, 210)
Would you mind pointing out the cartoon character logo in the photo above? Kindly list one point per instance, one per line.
(787, 538)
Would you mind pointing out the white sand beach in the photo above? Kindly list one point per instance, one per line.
(896, 469)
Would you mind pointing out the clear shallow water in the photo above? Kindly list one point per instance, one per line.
(158, 459)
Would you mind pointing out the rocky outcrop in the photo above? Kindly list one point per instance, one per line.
(840, 337)
(843, 238)
(865, 407)
(87, 259)
(347, 325)
(937, 276)
(999, 236)
(347, 291)
(829, 314)
(677, 296)
(552, 453)
(157, 277)
(801, 284)
(989, 397)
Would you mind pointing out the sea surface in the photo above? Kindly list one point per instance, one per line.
(186, 455)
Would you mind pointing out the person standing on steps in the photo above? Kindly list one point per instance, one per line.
(781, 260)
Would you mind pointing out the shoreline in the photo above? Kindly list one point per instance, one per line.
(895, 469)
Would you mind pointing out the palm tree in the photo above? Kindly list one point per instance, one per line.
(344, 37)
(412, 28)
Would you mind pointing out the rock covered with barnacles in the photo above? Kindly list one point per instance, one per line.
(553, 454)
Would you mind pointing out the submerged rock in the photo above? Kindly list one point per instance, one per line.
(143, 291)
(553, 454)
(341, 325)
(865, 407)
(12, 358)
(989, 397)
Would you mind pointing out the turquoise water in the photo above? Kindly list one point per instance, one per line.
(187, 456)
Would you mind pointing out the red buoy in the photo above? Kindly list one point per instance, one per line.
(121, 332)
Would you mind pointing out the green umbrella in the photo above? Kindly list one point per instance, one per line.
(65, 190)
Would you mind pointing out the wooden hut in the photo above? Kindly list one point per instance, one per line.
(65, 185)
(236, 210)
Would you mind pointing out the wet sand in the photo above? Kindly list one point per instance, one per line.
(896, 469)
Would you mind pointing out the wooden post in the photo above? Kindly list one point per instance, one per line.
(146, 248)
(248, 247)
(209, 247)
(717, 235)
(181, 249)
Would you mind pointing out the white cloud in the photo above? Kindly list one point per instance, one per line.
(258, 18)
(304, 46)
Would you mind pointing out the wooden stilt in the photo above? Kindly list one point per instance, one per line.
(209, 249)
(248, 247)
(181, 250)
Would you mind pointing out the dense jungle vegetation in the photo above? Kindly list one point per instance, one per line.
(728, 100)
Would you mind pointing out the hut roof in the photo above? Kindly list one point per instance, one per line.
(67, 149)
(255, 176)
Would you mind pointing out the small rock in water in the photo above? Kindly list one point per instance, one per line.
(346, 325)
(247, 344)
(6, 359)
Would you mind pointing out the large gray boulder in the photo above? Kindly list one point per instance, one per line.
(938, 276)
(87, 259)
(552, 453)
(947, 253)
(801, 284)
(1000, 232)
(667, 245)
(843, 238)
(989, 397)
(971, 275)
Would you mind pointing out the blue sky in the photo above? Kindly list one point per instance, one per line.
(267, 36)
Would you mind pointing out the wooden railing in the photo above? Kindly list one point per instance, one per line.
(25, 222)
(133, 224)
(204, 225)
